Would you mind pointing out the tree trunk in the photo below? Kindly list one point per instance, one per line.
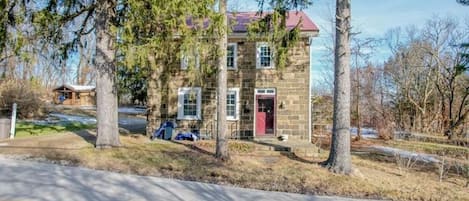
(154, 100)
(339, 160)
(106, 89)
(79, 81)
(221, 151)
(10, 67)
(359, 134)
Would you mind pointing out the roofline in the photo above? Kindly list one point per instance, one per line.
(303, 34)
(72, 89)
(241, 35)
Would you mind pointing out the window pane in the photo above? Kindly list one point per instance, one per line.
(265, 56)
(230, 50)
(265, 61)
(190, 105)
(230, 54)
(230, 62)
(231, 104)
(231, 111)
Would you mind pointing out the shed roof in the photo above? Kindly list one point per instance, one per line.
(78, 88)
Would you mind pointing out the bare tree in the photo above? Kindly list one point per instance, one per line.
(361, 52)
(412, 76)
(449, 61)
(463, 2)
(428, 76)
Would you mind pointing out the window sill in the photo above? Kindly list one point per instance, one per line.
(188, 118)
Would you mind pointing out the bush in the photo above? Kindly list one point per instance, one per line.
(385, 129)
(26, 94)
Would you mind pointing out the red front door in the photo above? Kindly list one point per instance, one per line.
(265, 115)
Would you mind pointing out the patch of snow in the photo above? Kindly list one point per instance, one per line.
(365, 132)
(427, 158)
(74, 118)
(90, 107)
(131, 121)
(57, 118)
(81, 87)
(132, 110)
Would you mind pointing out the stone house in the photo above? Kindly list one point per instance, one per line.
(262, 101)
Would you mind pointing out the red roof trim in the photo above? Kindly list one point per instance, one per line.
(293, 17)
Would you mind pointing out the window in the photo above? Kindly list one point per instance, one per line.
(232, 99)
(67, 95)
(191, 59)
(189, 103)
(231, 54)
(264, 56)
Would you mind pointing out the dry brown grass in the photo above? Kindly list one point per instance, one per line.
(374, 176)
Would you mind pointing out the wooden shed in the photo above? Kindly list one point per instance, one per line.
(78, 95)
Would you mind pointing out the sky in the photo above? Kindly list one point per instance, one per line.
(372, 18)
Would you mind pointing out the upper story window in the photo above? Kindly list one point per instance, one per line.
(264, 58)
(189, 103)
(190, 59)
(231, 55)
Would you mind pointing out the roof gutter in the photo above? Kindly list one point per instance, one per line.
(303, 34)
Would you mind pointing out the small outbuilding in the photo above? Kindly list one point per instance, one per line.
(77, 95)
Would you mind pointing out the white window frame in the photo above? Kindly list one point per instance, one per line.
(236, 116)
(188, 90)
(265, 91)
(259, 45)
(235, 56)
(185, 58)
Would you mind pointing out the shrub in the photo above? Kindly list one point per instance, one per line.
(26, 94)
(385, 129)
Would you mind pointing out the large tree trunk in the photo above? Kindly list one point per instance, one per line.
(339, 160)
(106, 89)
(221, 151)
(154, 93)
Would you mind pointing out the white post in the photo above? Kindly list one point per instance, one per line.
(310, 106)
(13, 121)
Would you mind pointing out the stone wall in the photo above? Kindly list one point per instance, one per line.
(291, 84)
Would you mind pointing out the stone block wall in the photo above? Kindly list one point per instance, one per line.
(292, 91)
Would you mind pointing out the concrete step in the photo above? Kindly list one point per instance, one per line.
(271, 148)
(306, 151)
(297, 147)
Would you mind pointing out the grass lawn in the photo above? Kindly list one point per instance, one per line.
(25, 129)
(374, 176)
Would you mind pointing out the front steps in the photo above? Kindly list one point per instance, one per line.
(300, 148)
